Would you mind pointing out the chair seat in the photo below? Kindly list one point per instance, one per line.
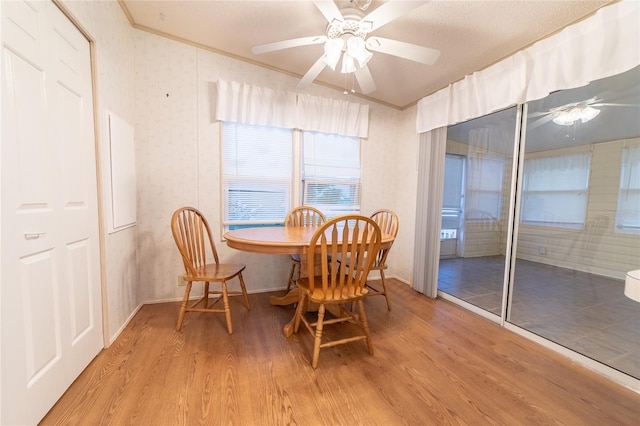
(317, 295)
(213, 272)
(295, 257)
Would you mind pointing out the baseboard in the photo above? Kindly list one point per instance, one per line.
(124, 325)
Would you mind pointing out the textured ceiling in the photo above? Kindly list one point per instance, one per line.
(471, 35)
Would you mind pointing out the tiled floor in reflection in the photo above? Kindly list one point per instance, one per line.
(584, 312)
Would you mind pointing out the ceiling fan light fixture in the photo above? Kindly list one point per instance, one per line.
(332, 51)
(567, 117)
(356, 48)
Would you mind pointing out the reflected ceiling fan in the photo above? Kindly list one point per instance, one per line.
(569, 114)
(347, 38)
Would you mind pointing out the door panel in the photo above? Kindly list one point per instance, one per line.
(51, 307)
(485, 147)
(40, 325)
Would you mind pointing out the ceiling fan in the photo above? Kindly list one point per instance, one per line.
(347, 38)
(572, 113)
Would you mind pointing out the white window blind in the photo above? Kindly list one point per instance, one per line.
(484, 186)
(256, 174)
(331, 173)
(628, 211)
(555, 190)
(452, 196)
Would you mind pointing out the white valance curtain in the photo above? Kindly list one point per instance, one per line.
(260, 106)
(606, 44)
(332, 116)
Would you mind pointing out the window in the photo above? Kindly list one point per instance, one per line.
(260, 173)
(484, 186)
(256, 174)
(331, 173)
(555, 190)
(628, 211)
(452, 196)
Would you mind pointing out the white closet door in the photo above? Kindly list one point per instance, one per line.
(51, 294)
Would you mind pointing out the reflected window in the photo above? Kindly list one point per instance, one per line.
(628, 212)
(484, 187)
(555, 190)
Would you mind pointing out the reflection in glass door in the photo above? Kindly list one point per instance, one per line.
(579, 223)
(475, 215)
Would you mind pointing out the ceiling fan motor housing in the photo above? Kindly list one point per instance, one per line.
(352, 24)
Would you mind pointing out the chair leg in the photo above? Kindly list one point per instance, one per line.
(384, 290)
(227, 310)
(244, 292)
(299, 311)
(183, 306)
(291, 282)
(318, 339)
(365, 325)
(206, 295)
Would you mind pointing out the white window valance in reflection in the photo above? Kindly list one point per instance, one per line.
(603, 45)
(260, 106)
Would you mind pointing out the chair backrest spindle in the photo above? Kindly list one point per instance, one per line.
(304, 216)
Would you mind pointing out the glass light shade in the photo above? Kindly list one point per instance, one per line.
(356, 49)
(348, 64)
(332, 51)
(588, 113)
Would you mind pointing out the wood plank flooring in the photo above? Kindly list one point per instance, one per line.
(434, 364)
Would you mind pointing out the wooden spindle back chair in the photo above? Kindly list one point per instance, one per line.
(301, 216)
(388, 222)
(339, 283)
(192, 235)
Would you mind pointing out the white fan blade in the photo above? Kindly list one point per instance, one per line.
(311, 75)
(365, 80)
(608, 104)
(538, 114)
(409, 51)
(287, 44)
(389, 11)
(329, 10)
(539, 122)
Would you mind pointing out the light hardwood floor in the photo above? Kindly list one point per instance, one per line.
(434, 364)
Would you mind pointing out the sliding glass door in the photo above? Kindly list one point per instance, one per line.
(579, 221)
(541, 226)
(475, 211)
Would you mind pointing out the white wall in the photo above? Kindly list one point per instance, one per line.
(114, 57)
(178, 145)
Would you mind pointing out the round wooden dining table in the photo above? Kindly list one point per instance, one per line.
(279, 240)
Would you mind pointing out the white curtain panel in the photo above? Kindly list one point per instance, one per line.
(606, 44)
(431, 154)
(260, 106)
